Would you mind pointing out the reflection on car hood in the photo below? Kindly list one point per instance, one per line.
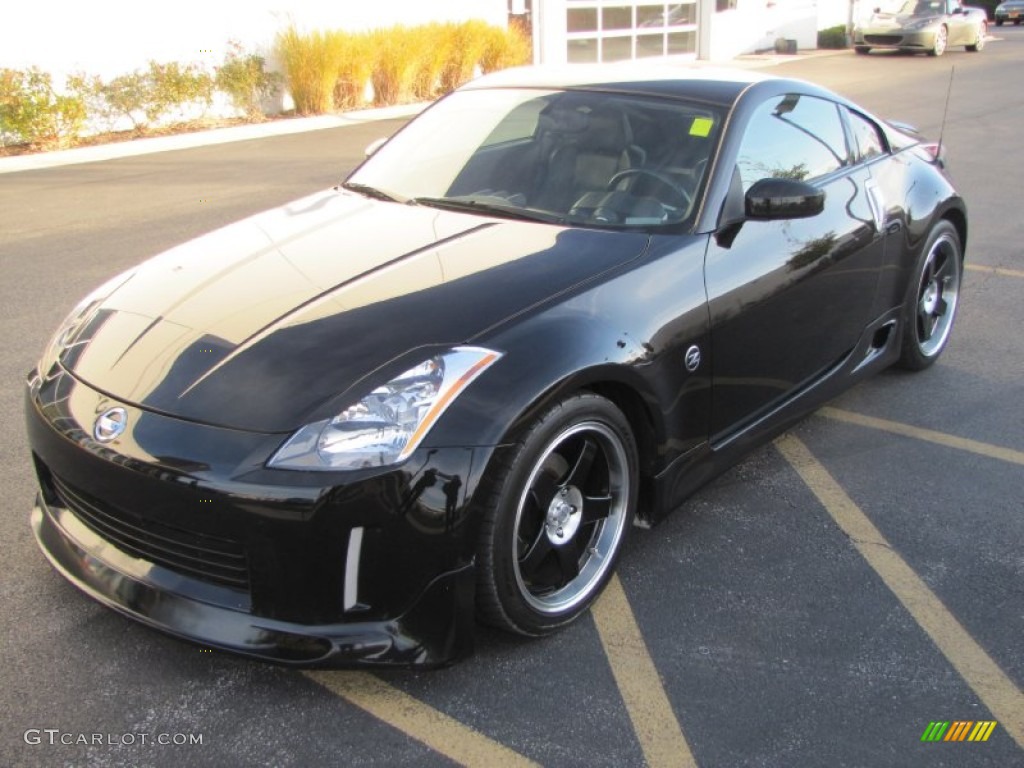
(257, 325)
(888, 22)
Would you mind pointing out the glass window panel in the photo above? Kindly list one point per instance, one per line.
(650, 45)
(792, 137)
(582, 20)
(682, 14)
(582, 51)
(617, 17)
(616, 48)
(650, 15)
(865, 133)
(682, 42)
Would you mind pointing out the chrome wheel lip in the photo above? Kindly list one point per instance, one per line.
(935, 287)
(607, 534)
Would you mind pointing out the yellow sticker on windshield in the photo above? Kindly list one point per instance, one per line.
(701, 126)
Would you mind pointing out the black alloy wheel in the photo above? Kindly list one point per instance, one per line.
(556, 513)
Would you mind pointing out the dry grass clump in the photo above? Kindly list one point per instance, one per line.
(358, 60)
(327, 70)
(505, 48)
(311, 62)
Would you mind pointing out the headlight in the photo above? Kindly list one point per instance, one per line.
(387, 425)
(919, 25)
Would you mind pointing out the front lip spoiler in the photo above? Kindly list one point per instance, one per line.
(435, 631)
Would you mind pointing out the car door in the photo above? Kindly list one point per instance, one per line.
(961, 31)
(788, 299)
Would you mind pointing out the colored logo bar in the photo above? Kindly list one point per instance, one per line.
(958, 730)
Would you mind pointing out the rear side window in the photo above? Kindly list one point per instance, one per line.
(793, 137)
(866, 137)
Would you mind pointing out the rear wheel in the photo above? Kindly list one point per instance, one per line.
(979, 44)
(939, 46)
(556, 514)
(999, 22)
(932, 298)
(862, 49)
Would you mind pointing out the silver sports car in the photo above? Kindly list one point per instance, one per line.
(924, 25)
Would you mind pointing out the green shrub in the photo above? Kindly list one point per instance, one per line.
(833, 37)
(174, 86)
(245, 79)
(32, 112)
(145, 97)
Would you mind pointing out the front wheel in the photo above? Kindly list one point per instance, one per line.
(861, 49)
(932, 299)
(939, 46)
(556, 512)
(979, 43)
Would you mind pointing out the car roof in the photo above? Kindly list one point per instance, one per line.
(719, 85)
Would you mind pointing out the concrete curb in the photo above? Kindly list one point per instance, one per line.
(136, 147)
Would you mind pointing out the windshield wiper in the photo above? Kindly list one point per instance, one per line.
(374, 192)
(490, 208)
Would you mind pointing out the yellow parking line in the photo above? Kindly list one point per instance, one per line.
(941, 438)
(994, 270)
(660, 736)
(422, 722)
(982, 674)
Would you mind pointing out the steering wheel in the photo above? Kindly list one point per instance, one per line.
(666, 180)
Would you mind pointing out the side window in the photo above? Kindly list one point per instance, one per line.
(868, 140)
(792, 137)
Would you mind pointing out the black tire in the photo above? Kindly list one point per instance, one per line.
(556, 512)
(999, 22)
(933, 295)
(941, 41)
(861, 49)
(979, 44)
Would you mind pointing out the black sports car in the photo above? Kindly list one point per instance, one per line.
(546, 310)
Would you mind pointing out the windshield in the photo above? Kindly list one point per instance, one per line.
(923, 8)
(566, 157)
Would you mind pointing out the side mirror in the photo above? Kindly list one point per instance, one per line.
(772, 199)
(373, 146)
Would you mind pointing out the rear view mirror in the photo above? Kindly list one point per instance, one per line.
(373, 146)
(771, 199)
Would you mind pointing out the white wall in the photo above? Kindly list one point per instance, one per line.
(754, 25)
(111, 37)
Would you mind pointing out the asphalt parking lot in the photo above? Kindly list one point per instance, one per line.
(819, 605)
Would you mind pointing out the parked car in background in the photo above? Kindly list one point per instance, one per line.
(552, 305)
(928, 26)
(1010, 11)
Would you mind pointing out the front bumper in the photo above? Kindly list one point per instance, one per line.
(923, 40)
(177, 526)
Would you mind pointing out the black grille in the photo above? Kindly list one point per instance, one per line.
(883, 39)
(208, 558)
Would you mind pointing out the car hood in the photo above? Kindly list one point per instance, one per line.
(889, 22)
(265, 323)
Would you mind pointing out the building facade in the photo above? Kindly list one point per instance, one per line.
(567, 31)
